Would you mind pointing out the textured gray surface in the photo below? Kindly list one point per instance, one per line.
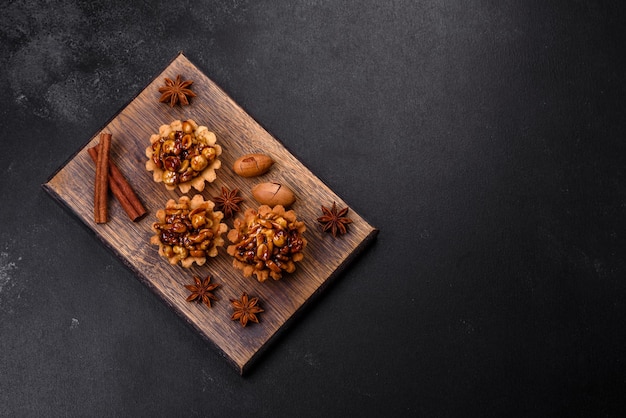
(484, 138)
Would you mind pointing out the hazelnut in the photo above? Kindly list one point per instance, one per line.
(171, 163)
(187, 127)
(209, 153)
(169, 147)
(198, 162)
(169, 177)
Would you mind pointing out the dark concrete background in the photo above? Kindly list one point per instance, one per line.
(484, 138)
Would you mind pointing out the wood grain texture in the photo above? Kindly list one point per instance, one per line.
(238, 134)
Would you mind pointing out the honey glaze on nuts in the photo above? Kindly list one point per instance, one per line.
(188, 231)
(267, 242)
(181, 152)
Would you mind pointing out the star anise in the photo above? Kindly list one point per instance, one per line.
(245, 309)
(335, 220)
(202, 291)
(228, 202)
(175, 91)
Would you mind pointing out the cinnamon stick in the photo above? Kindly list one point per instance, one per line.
(101, 186)
(121, 189)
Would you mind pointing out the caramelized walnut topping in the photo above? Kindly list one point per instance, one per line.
(267, 242)
(188, 231)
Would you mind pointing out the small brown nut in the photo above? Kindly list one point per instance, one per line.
(186, 142)
(167, 250)
(171, 163)
(198, 162)
(273, 194)
(187, 127)
(280, 223)
(184, 165)
(180, 251)
(197, 220)
(279, 239)
(272, 266)
(169, 177)
(199, 237)
(169, 146)
(252, 165)
(179, 227)
(209, 153)
(262, 252)
(265, 223)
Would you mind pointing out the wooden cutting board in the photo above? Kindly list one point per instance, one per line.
(238, 134)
